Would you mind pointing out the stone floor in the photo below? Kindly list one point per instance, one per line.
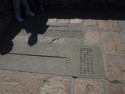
(109, 35)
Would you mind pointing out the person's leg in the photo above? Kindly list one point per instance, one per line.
(33, 4)
(16, 7)
(27, 8)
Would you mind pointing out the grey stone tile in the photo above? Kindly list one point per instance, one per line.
(122, 28)
(78, 61)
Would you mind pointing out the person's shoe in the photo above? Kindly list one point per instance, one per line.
(18, 18)
(30, 13)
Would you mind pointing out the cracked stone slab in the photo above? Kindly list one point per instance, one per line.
(77, 61)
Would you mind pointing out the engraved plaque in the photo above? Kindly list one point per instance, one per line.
(68, 60)
(91, 63)
(86, 61)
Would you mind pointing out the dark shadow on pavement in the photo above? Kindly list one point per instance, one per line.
(6, 43)
(37, 25)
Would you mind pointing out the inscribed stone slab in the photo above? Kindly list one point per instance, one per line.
(77, 61)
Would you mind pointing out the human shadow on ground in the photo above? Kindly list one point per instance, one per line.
(38, 24)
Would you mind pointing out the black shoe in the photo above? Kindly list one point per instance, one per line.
(18, 18)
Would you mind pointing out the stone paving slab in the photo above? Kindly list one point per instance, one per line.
(79, 61)
(122, 28)
(52, 32)
(89, 87)
(64, 21)
(69, 41)
(116, 89)
(57, 30)
(76, 21)
(122, 25)
(55, 85)
(51, 21)
(77, 36)
(113, 43)
(19, 83)
(12, 82)
(115, 68)
(48, 65)
(51, 56)
(90, 22)
(109, 25)
(91, 36)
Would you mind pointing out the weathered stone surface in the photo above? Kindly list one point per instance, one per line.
(51, 21)
(56, 59)
(88, 87)
(109, 25)
(68, 41)
(90, 22)
(47, 38)
(62, 21)
(55, 85)
(65, 31)
(91, 36)
(19, 83)
(76, 21)
(122, 28)
(113, 43)
(115, 68)
(12, 82)
(116, 89)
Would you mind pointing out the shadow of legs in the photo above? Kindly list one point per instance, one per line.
(6, 47)
(32, 39)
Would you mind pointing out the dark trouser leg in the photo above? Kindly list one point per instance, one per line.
(25, 4)
(27, 8)
(16, 7)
